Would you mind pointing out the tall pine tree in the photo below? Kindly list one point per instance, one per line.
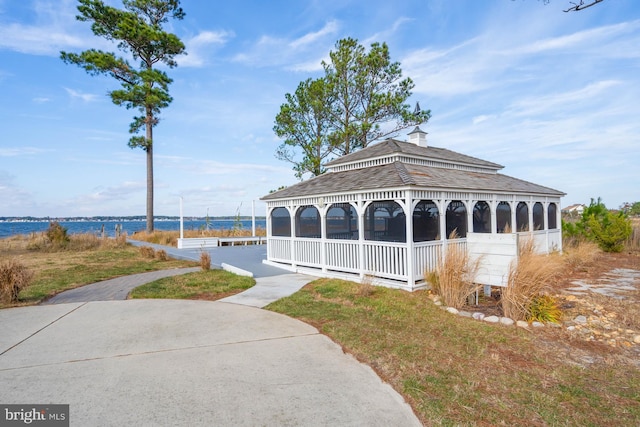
(139, 33)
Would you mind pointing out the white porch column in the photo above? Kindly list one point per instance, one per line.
(292, 217)
(411, 276)
(322, 210)
(361, 256)
(469, 204)
(493, 208)
(530, 211)
(514, 223)
(443, 218)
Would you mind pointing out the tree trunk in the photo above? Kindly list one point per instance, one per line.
(149, 151)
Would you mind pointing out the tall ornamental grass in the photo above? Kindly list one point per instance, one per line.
(529, 280)
(453, 279)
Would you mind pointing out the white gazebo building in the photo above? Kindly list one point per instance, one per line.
(388, 210)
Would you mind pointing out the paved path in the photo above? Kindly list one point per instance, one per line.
(187, 363)
(181, 362)
(114, 289)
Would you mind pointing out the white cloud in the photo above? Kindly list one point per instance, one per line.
(37, 40)
(301, 54)
(21, 151)
(86, 97)
(199, 46)
(387, 33)
(578, 40)
(330, 28)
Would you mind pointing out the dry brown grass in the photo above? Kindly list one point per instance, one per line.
(580, 254)
(14, 276)
(454, 277)
(147, 252)
(205, 260)
(633, 242)
(533, 275)
(170, 238)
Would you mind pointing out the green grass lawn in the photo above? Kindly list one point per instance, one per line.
(207, 285)
(457, 371)
(55, 272)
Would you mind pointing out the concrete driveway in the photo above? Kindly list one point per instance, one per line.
(171, 363)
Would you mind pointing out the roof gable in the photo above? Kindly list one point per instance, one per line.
(394, 150)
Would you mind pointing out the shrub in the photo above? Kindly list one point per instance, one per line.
(610, 232)
(529, 277)
(162, 255)
(205, 261)
(544, 308)
(147, 252)
(454, 276)
(57, 235)
(14, 277)
(597, 224)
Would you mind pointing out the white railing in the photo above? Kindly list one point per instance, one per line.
(386, 259)
(426, 256)
(342, 255)
(279, 249)
(307, 252)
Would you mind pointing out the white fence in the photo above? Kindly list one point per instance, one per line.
(389, 261)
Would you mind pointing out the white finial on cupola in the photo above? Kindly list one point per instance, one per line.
(418, 137)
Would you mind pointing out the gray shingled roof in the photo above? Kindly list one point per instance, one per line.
(398, 174)
(392, 146)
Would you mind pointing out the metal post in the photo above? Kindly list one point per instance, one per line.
(181, 220)
(253, 218)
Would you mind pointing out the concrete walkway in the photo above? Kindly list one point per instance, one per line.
(114, 289)
(182, 362)
(187, 363)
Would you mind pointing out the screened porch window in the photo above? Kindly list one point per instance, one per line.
(522, 217)
(308, 222)
(481, 218)
(503, 217)
(342, 222)
(552, 212)
(426, 221)
(280, 222)
(456, 219)
(538, 216)
(385, 222)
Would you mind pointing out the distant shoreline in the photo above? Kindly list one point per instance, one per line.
(124, 218)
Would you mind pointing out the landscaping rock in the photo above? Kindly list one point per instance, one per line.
(581, 320)
(437, 302)
(464, 314)
(478, 316)
(452, 310)
(492, 319)
(537, 324)
(506, 321)
(522, 324)
(636, 339)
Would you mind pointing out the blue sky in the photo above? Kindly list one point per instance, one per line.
(552, 96)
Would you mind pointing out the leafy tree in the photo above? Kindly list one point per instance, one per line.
(367, 93)
(632, 209)
(139, 33)
(607, 229)
(304, 122)
(360, 99)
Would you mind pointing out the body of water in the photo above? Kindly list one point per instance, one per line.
(95, 227)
